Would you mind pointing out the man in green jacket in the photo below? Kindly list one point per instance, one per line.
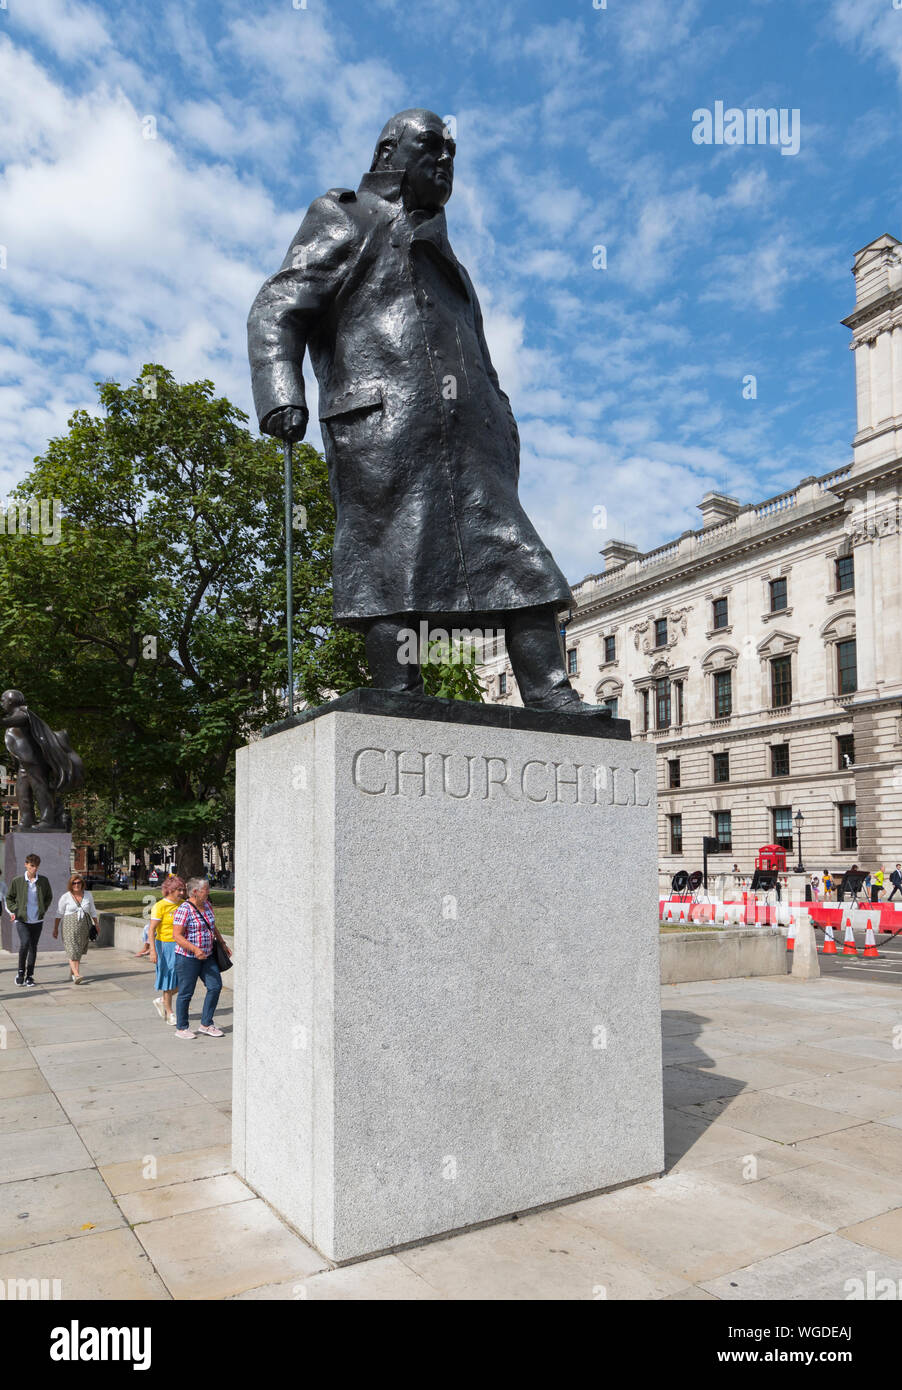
(27, 900)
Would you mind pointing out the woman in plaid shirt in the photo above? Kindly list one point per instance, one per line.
(194, 932)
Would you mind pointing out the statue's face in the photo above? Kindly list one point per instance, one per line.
(426, 154)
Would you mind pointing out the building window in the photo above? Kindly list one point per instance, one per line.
(783, 826)
(848, 826)
(673, 772)
(721, 767)
(781, 681)
(676, 834)
(723, 829)
(572, 668)
(779, 760)
(662, 703)
(610, 649)
(610, 704)
(845, 573)
(777, 595)
(645, 723)
(723, 694)
(846, 668)
(678, 691)
(845, 749)
(720, 613)
(660, 632)
(502, 683)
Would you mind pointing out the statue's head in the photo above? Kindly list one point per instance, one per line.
(10, 699)
(419, 143)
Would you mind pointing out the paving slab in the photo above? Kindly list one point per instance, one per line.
(213, 1085)
(382, 1279)
(552, 1255)
(216, 1253)
(189, 1127)
(685, 1086)
(829, 1194)
(27, 1081)
(758, 1072)
(883, 1232)
(103, 1265)
(39, 1110)
(849, 1093)
(774, 1117)
(186, 1056)
(826, 1268)
(693, 1142)
(66, 1025)
(58, 1207)
(36, 1152)
(137, 1176)
(873, 1147)
(72, 1066)
(691, 1227)
(156, 1094)
(183, 1197)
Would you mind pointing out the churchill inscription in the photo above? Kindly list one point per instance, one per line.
(412, 772)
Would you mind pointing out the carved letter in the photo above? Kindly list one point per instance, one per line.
(446, 786)
(370, 791)
(532, 762)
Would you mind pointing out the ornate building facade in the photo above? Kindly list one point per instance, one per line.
(762, 652)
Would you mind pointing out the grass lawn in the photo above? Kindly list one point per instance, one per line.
(131, 904)
(692, 926)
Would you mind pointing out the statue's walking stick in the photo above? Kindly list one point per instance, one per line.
(289, 568)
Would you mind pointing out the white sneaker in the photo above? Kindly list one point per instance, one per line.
(171, 1018)
(184, 1033)
(160, 1007)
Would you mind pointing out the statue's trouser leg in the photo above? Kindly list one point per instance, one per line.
(24, 800)
(534, 647)
(42, 794)
(383, 648)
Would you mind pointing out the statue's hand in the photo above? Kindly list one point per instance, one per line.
(289, 423)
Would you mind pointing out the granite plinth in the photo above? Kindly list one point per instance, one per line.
(447, 1009)
(55, 850)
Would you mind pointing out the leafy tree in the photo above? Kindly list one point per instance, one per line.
(154, 631)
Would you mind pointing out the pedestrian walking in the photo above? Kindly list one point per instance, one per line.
(29, 897)
(895, 879)
(877, 886)
(828, 884)
(815, 887)
(195, 934)
(162, 945)
(78, 915)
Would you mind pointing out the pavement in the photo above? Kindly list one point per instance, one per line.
(783, 1123)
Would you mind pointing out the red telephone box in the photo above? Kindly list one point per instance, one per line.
(771, 858)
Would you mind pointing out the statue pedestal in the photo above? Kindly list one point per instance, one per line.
(55, 850)
(447, 1006)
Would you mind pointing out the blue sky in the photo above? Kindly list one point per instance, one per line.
(574, 130)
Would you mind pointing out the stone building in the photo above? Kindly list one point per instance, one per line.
(762, 652)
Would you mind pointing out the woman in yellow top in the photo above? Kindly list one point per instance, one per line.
(162, 946)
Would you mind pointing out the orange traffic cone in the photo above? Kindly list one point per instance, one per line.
(870, 943)
(848, 946)
(829, 941)
(791, 934)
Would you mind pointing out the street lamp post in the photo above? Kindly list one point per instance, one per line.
(800, 867)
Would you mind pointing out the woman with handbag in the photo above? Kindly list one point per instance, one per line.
(199, 950)
(79, 918)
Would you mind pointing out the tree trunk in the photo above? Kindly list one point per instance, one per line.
(189, 856)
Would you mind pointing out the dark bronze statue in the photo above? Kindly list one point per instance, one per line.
(44, 764)
(420, 439)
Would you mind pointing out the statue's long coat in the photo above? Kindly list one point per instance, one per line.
(420, 440)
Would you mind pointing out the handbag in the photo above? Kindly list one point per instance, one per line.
(221, 955)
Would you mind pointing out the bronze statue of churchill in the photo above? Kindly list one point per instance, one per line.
(420, 439)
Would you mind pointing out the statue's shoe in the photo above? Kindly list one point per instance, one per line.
(571, 704)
